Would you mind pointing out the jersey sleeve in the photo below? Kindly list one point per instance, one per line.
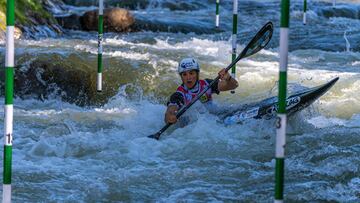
(176, 99)
(214, 88)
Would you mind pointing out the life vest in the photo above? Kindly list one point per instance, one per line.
(189, 95)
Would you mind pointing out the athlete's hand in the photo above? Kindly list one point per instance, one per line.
(226, 81)
(170, 115)
(170, 118)
(224, 75)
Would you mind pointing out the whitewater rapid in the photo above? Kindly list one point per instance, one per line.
(64, 152)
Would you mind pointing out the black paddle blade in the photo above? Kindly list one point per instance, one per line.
(261, 39)
(158, 134)
(155, 136)
(258, 42)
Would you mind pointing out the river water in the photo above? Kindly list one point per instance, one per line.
(66, 153)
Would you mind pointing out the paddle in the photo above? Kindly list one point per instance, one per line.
(258, 42)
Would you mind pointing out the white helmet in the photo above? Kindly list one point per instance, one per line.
(188, 64)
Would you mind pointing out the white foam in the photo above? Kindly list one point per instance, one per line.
(123, 54)
(129, 55)
(323, 122)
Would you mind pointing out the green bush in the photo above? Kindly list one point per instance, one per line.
(25, 10)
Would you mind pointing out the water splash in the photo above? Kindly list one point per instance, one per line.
(347, 42)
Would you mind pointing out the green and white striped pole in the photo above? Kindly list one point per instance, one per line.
(305, 9)
(100, 47)
(281, 117)
(217, 18)
(234, 39)
(9, 88)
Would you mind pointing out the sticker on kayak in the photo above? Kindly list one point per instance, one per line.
(290, 103)
(237, 118)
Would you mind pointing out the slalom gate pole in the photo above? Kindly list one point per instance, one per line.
(304, 14)
(281, 116)
(8, 109)
(100, 46)
(217, 18)
(234, 39)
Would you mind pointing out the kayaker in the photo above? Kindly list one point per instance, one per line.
(189, 71)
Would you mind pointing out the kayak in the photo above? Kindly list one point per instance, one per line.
(267, 108)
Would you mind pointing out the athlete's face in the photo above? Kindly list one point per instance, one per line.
(189, 78)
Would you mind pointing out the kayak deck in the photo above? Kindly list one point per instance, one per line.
(267, 108)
